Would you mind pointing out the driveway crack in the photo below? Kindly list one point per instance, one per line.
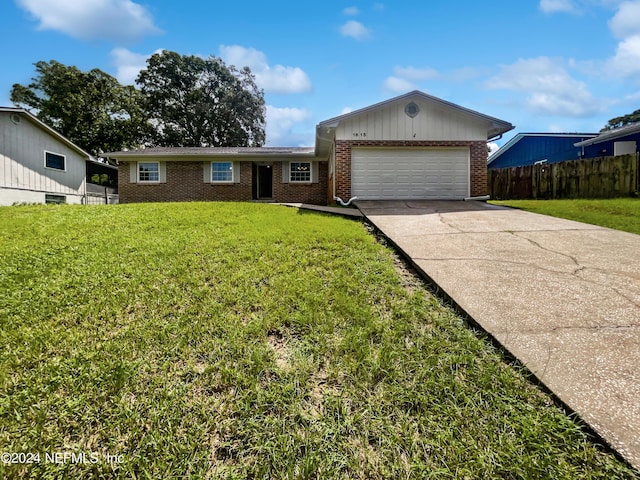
(575, 273)
(444, 222)
(579, 268)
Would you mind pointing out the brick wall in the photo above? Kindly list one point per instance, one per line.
(313, 193)
(478, 161)
(185, 183)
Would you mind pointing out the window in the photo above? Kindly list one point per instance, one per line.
(54, 160)
(148, 172)
(54, 199)
(300, 172)
(221, 172)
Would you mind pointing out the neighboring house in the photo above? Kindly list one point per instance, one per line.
(533, 148)
(414, 146)
(37, 164)
(620, 141)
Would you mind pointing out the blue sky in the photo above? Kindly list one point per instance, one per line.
(543, 65)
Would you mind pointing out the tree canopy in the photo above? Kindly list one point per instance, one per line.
(196, 102)
(90, 108)
(181, 101)
(618, 122)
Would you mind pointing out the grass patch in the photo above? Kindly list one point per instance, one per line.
(221, 340)
(617, 213)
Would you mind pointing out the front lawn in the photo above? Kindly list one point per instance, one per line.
(222, 340)
(617, 213)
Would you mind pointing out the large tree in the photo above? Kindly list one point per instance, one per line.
(92, 109)
(197, 102)
(622, 121)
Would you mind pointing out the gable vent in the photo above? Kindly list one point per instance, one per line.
(412, 110)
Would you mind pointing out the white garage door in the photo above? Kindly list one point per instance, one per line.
(410, 173)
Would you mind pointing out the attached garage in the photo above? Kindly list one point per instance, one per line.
(411, 147)
(410, 173)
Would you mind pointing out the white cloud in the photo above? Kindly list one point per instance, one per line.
(634, 97)
(626, 61)
(128, 64)
(400, 85)
(405, 78)
(274, 79)
(281, 123)
(549, 87)
(555, 128)
(346, 110)
(351, 11)
(553, 6)
(116, 20)
(625, 25)
(626, 22)
(355, 30)
(415, 74)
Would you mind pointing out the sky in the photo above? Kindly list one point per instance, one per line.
(542, 65)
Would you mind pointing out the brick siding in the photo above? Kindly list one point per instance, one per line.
(313, 193)
(478, 161)
(185, 183)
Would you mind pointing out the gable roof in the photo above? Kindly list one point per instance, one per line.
(520, 136)
(324, 133)
(46, 128)
(611, 135)
(498, 127)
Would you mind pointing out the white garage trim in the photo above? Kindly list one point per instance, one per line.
(412, 173)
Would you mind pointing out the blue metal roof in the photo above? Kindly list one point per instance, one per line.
(530, 148)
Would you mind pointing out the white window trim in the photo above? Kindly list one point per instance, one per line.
(300, 181)
(222, 181)
(147, 181)
(58, 154)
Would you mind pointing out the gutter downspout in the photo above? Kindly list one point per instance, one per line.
(340, 201)
(337, 199)
(482, 198)
(333, 155)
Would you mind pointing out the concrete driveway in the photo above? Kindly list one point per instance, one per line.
(561, 296)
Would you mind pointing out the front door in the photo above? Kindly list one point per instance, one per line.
(265, 182)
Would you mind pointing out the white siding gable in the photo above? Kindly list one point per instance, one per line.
(435, 121)
(22, 159)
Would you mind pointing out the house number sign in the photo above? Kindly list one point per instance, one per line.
(359, 134)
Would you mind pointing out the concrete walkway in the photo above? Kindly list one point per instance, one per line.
(563, 297)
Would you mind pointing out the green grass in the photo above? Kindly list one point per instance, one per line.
(220, 340)
(617, 213)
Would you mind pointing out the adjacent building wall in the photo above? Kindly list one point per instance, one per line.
(23, 175)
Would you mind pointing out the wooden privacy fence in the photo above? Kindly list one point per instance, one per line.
(602, 177)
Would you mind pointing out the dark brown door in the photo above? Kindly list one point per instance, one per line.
(265, 181)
